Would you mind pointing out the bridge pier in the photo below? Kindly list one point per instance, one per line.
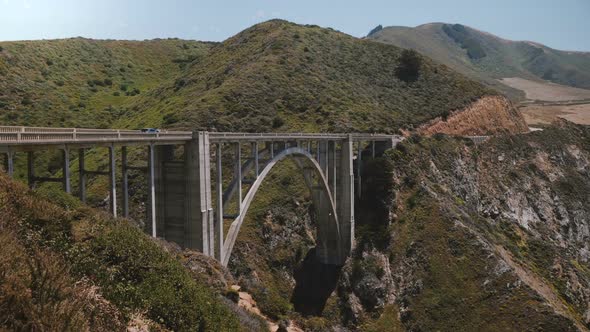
(124, 182)
(9, 164)
(199, 213)
(112, 182)
(31, 169)
(66, 170)
(345, 206)
(81, 175)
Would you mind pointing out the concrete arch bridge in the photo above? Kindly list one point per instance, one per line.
(189, 201)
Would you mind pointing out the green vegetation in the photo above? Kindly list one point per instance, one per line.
(280, 75)
(132, 271)
(462, 36)
(487, 58)
(42, 83)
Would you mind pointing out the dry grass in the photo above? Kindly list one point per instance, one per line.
(546, 91)
(546, 114)
(37, 293)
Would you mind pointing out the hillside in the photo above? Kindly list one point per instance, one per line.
(487, 58)
(279, 76)
(66, 267)
(84, 82)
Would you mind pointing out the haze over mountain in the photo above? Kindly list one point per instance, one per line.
(488, 58)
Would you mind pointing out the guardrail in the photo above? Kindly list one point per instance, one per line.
(41, 135)
(15, 135)
(222, 136)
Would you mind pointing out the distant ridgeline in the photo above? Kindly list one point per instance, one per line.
(462, 37)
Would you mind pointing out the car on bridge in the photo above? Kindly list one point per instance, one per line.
(150, 130)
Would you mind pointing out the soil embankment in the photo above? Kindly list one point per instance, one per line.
(487, 116)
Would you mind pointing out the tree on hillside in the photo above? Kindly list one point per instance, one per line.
(408, 68)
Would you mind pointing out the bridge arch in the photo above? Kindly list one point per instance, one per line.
(329, 241)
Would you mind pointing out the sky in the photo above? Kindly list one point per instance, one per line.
(562, 24)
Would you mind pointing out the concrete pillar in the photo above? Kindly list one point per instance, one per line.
(113, 181)
(359, 165)
(81, 176)
(165, 187)
(10, 163)
(151, 190)
(255, 156)
(238, 175)
(373, 149)
(323, 157)
(219, 252)
(272, 150)
(125, 181)
(345, 206)
(332, 169)
(31, 169)
(66, 170)
(317, 151)
(199, 213)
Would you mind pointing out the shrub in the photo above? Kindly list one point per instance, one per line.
(116, 94)
(123, 87)
(277, 122)
(108, 82)
(1, 48)
(27, 101)
(49, 62)
(408, 68)
(134, 272)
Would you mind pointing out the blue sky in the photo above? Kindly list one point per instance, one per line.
(563, 24)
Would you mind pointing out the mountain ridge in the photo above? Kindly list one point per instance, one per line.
(487, 58)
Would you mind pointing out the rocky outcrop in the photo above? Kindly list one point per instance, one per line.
(493, 236)
(487, 116)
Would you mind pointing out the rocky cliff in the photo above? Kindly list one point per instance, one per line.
(489, 237)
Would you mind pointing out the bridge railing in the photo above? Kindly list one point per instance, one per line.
(16, 135)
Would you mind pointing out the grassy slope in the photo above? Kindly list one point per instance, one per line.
(55, 256)
(286, 77)
(503, 58)
(73, 82)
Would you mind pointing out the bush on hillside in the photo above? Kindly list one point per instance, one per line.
(133, 272)
(408, 68)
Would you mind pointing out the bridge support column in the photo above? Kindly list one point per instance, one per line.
(66, 170)
(10, 163)
(332, 176)
(218, 238)
(152, 189)
(31, 169)
(81, 176)
(345, 206)
(113, 181)
(125, 182)
(359, 165)
(199, 213)
(238, 175)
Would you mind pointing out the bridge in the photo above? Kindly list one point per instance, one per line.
(189, 202)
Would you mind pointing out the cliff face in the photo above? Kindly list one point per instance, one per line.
(487, 116)
(482, 237)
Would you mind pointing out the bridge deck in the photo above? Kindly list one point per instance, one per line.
(13, 138)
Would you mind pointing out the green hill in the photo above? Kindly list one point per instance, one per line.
(84, 82)
(286, 77)
(487, 58)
